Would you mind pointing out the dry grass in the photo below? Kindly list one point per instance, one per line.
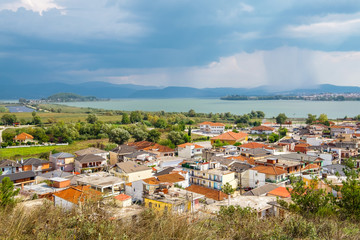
(48, 222)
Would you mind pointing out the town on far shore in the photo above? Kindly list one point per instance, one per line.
(174, 162)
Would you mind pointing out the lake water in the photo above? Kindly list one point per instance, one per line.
(292, 108)
(15, 109)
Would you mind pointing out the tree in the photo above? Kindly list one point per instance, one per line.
(260, 114)
(308, 199)
(227, 189)
(37, 120)
(153, 135)
(192, 113)
(281, 118)
(273, 138)
(243, 119)
(125, 119)
(135, 116)
(119, 136)
(282, 132)
(311, 119)
(139, 134)
(91, 118)
(349, 202)
(189, 131)
(323, 118)
(161, 123)
(9, 119)
(176, 137)
(7, 193)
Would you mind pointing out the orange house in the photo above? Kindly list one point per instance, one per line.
(231, 138)
(302, 147)
(36, 165)
(24, 137)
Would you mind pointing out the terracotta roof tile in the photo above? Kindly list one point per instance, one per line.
(253, 145)
(271, 170)
(171, 178)
(78, 194)
(213, 124)
(243, 159)
(263, 128)
(231, 136)
(122, 197)
(23, 136)
(207, 192)
(190, 144)
(280, 192)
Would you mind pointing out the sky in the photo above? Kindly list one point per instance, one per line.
(283, 44)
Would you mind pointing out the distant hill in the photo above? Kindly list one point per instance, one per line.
(109, 90)
(70, 97)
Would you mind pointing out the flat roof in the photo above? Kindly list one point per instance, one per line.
(58, 179)
(99, 179)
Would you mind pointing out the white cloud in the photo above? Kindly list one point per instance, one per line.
(331, 28)
(84, 19)
(38, 6)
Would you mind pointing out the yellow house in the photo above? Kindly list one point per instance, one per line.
(175, 200)
(231, 138)
(63, 161)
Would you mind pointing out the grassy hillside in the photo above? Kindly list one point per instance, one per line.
(48, 222)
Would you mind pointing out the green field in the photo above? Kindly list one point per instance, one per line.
(25, 152)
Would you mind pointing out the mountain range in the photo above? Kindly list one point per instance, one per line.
(109, 90)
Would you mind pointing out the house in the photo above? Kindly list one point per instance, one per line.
(150, 185)
(339, 130)
(246, 177)
(37, 165)
(92, 150)
(24, 138)
(262, 190)
(288, 143)
(118, 153)
(62, 161)
(89, 163)
(302, 147)
(272, 173)
(230, 138)
(20, 178)
(123, 200)
(174, 199)
(281, 192)
(209, 174)
(254, 145)
(141, 156)
(256, 153)
(9, 166)
(262, 130)
(213, 194)
(190, 150)
(132, 171)
(159, 150)
(212, 128)
(75, 196)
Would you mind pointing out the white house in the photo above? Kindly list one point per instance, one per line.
(262, 130)
(213, 128)
(190, 150)
(252, 179)
(9, 166)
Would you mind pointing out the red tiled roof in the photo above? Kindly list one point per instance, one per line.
(212, 124)
(231, 136)
(207, 192)
(280, 192)
(190, 144)
(23, 136)
(311, 166)
(263, 128)
(150, 146)
(243, 159)
(171, 178)
(253, 145)
(122, 197)
(78, 194)
(271, 170)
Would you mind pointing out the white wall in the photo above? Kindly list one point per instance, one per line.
(63, 203)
